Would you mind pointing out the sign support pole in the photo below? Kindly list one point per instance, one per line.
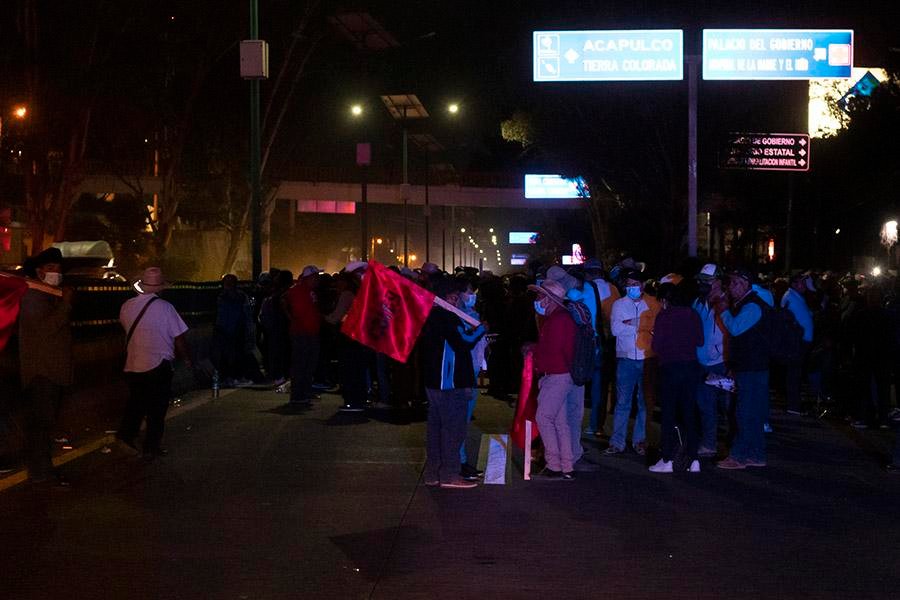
(788, 241)
(692, 63)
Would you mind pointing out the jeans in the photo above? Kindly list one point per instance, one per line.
(629, 373)
(751, 412)
(678, 384)
(304, 358)
(149, 394)
(556, 393)
(710, 400)
(598, 400)
(446, 430)
(42, 403)
(470, 408)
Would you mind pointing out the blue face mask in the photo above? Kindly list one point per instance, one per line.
(633, 292)
(469, 301)
(539, 308)
(575, 295)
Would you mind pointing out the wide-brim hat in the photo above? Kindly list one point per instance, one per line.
(355, 266)
(560, 275)
(151, 281)
(552, 289)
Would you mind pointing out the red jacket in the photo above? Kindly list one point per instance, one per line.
(555, 349)
(301, 307)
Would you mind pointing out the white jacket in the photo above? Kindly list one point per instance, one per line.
(624, 309)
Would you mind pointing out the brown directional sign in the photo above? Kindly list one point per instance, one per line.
(765, 152)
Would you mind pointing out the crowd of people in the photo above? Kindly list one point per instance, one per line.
(697, 344)
(706, 346)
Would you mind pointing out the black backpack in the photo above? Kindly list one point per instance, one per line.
(585, 343)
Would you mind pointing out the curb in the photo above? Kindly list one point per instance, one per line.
(204, 397)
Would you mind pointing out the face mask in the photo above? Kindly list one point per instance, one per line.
(53, 279)
(539, 308)
(469, 300)
(633, 292)
(575, 295)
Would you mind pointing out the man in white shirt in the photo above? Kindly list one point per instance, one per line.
(156, 335)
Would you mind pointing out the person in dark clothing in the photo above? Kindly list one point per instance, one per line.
(233, 334)
(45, 356)
(873, 351)
(677, 334)
(274, 320)
(446, 347)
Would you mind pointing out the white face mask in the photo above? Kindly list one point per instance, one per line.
(54, 279)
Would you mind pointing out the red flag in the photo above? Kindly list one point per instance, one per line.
(388, 312)
(11, 291)
(526, 407)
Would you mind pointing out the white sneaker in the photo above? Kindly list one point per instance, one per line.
(662, 466)
(695, 467)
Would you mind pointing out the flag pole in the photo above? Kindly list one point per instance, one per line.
(37, 285)
(465, 317)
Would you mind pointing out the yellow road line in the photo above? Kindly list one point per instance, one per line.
(20, 476)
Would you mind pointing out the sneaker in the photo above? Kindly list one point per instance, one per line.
(706, 452)
(461, 484)
(640, 448)
(767, 428)
(755, 463)
(279, 382)
(695, 466)
(548, 473)
(663, 466)
(731, 463)
(859, 425)
(471, 470)
(352, 409)
(570, 476)
(589, 431)
(612, 450)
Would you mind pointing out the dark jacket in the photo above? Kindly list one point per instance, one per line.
(45, 338)
(446, 352)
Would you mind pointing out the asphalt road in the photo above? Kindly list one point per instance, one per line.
(257, 502)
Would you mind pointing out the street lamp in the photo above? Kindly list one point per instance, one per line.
(453, 108)
(356, 110)
(20, 112)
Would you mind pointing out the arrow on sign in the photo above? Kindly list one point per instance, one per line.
(802, 153)
(801, 162)
(802, 141)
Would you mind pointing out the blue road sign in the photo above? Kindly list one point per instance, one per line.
(777, 53)
(640, 55)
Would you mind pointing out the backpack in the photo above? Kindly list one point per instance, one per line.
(785, 335)
(585, 343)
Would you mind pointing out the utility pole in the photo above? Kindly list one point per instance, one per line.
(255, 67)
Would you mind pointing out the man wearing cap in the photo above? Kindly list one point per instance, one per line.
(157, 334)
(711, 356)
(794, 300)
(631, 322)
(553, 356)
(305, 323)
(45, 357)
(599, 296)
(748, 359)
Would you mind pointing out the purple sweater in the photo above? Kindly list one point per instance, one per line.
(676, 335)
